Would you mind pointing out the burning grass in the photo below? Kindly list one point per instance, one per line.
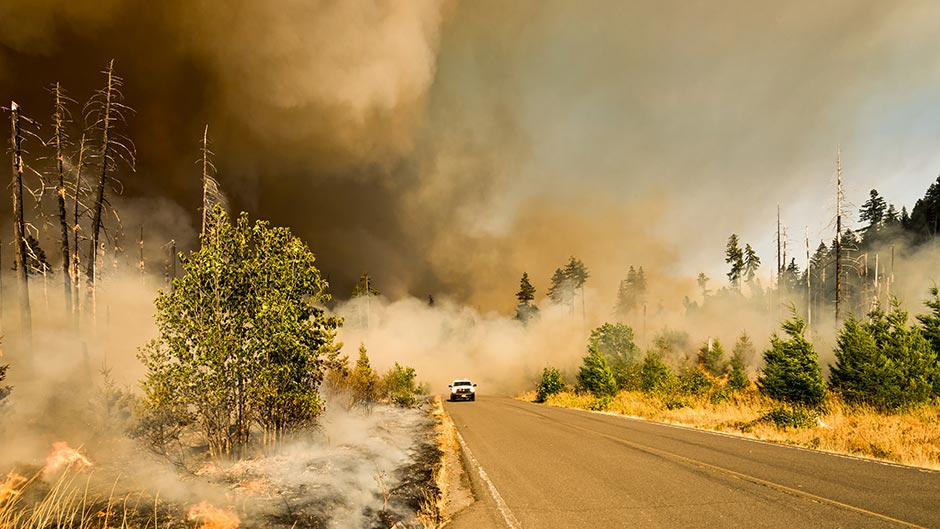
(911, 438)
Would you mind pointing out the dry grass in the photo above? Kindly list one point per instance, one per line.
(911, 438)
(33, 503)
(434, 511)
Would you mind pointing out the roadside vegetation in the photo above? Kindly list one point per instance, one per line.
(881, 400)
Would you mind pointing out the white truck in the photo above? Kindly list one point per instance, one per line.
(462, 389)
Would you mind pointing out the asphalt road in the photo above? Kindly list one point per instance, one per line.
(534, 466)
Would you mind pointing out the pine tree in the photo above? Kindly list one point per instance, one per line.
(363, 379)
(525, 310)
(791, 367)
(873, 210)
(883, 362)
(751, 264)
(561, 290)
(734, 257)
(526, 290)
(703, 284)
(737, 377)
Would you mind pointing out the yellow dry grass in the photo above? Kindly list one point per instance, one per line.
(433, 511)
(910, 438)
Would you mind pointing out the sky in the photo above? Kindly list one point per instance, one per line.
(446, 147)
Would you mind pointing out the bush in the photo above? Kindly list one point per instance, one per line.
(654, 374)
(737, 378)
(600, 403)
(694, 381)
(595, 375)
(628, 377)
(884, 363)
(791, 367)
(790, 417)
(712, 358)
(549, 384)
(400, 387)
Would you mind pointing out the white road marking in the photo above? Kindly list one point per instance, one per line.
(511, 521)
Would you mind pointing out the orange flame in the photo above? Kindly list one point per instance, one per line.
(212, 517)
(8, 486)
(64, 456)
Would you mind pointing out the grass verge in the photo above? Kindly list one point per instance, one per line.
(910, 438)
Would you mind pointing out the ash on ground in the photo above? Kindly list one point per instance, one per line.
(363, 468)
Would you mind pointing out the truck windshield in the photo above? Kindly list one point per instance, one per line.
(462, 383)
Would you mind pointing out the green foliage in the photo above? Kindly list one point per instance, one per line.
(595, 374)
(790, 417)
(399, 384)
(526, 290)
(671, 343)
(241, 339)
(561, 290)
(751, 263)
(883, 362)
(550, 383)
(694, 381)
(363, 380)
(601, 403)
(654, 374)
(615, 341)
(873, 210)
(734, 257)
(791, 367)
(711, 357)
(737, 377)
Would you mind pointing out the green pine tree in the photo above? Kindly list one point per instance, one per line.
(711, 357)
(791, 367)
(734, 257)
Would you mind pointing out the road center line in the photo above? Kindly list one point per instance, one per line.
(511, 521)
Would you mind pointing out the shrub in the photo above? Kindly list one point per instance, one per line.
(737, 377)
(883, 362)
(600, 403)
(549, 384)
(363, 380)
(615, 341)
(399, 384)
(654, 374)
(694, 381)
(712, 358)
(791, 367)
(595, 375)
(790, 417)
(628, 377)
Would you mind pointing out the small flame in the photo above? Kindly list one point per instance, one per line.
(212, 517)
(63, 456)
(255, 486)
(9, 485)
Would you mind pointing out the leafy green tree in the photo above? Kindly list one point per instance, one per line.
(883, 362)
(654, 373)
(711, 357)
(615, 341)
(550, 383)
(595, 374)
(242, 340)
(791, 367)
(400, 385)
(734, 257)
(525, 310)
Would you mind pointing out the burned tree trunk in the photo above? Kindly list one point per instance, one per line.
(59, 139)
(22, 277)
(105, 155)
(75, 273)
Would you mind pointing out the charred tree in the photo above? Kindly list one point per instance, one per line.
(211, 192)
(19, 225)
(838, 244)
(107, 107)
(75, 273)
(59, 117)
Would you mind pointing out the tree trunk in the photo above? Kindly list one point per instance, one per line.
(98, 206)
(75, 273)
(60, 196)
(22, 277)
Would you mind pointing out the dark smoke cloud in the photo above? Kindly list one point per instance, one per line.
(446, 147)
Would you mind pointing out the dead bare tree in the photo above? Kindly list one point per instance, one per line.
(211, 192)
(77, 191)
(839, 199)
(107, 110)
(19, 224)
(60, 117)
